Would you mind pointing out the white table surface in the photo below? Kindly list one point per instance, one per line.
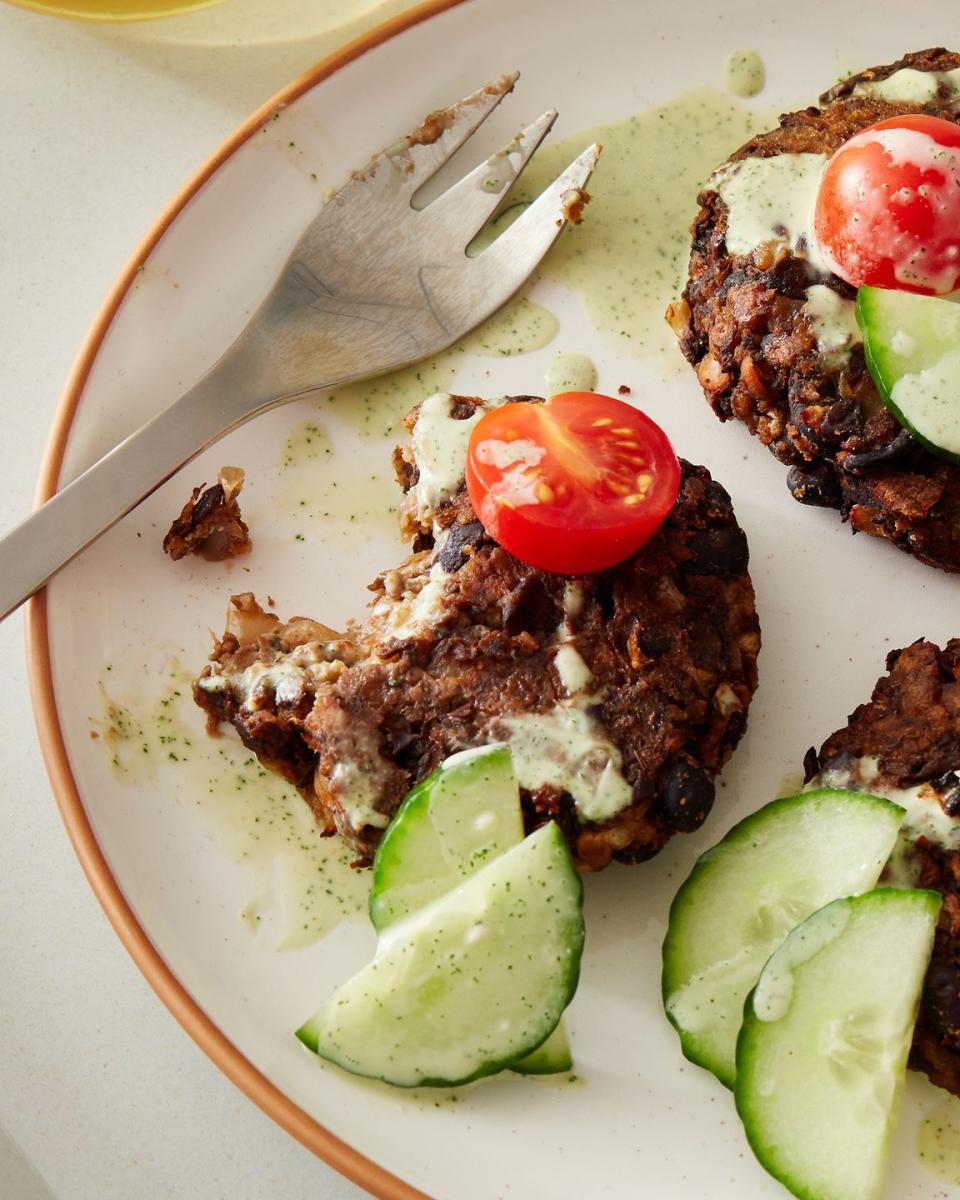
(102, 1095)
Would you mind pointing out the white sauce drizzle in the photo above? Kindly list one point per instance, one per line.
(566, 748)
(439, 445)
(518, 484)
(929, 401)
(903, 343)
(573, 599)
(283, 680)
(357, 791)
(774, 990)
(910, 85)
(772, 201)
(570, 373)
(692, 1004)
(924, 816)
(744, 73)
(408, 619)
(500, 454)
(833, 320)
(574, 673)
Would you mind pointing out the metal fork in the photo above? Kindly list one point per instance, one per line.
(373, 284)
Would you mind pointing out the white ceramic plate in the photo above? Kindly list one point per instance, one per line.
(640, 1118)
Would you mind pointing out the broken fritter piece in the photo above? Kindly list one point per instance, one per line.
(210, 523)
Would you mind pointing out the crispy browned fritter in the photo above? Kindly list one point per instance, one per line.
(670, 636)
(741, 325)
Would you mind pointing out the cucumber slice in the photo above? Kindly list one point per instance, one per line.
(470, 983)
(912, 347)
(822, 1054)
(552, 1057)
(465, 814)
(744, 896)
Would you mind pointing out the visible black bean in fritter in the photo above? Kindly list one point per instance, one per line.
(686, 796)
(718, 552)
(784, 451)
(452, 556)
(634, 854)
(798, 418)
(718, 496)
(814, 485)
(653, 642)
(211, 499)
(879, 456)
(843, 420)
(789, 277)
(941, 997)
(736, 723)
(531, 607)
(948, 791)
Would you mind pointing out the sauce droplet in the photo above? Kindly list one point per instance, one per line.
(744, 73)
(570, 373)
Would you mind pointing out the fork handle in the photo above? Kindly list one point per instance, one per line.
(70, 520)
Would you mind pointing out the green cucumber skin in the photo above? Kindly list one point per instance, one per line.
(380, 909)
(765, 1155)
(873, 353)
(416, 798)
(554, 1064)
(690, 1045)
(308, 1035)
(309, 1032)
(551, 1057)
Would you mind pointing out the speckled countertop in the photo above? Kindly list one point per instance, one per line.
(101, 126)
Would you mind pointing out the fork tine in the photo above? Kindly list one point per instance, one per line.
(532, 234)
(424, 151)
(464, 293)
(466, 206)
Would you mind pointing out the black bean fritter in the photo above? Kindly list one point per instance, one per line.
(741, 325)
(911, 727)
(670, 636)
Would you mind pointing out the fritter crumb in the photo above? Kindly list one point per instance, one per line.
(210, 524)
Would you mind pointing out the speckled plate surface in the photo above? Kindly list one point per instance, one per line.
(165, 821)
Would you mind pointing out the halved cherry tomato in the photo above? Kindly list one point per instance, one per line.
(888, 209)
(573, 485)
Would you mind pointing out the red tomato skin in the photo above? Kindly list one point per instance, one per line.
(574, 538)
(555, 549)
(888, 208)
